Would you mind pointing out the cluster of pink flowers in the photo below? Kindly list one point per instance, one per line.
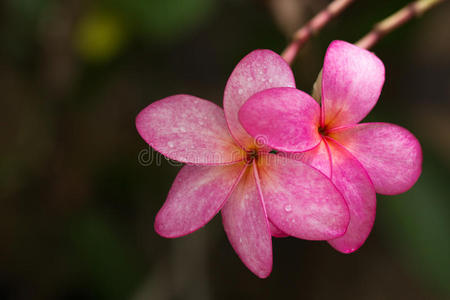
(319, 184)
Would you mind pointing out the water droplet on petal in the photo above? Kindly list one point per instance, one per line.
(170, 144)
(182, 129)
(240, 91)
(288, 208)
(200, 122)
(249, 79)
(270, 80)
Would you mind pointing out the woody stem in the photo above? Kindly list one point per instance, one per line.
(302, 35)
(413, 9)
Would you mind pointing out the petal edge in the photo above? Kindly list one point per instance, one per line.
(257, 71)
(354, 183)
(391, 154)
(352, 80)
(195, 197)
(285, 119)
(188, 129)
(300, 200)
(246, 225)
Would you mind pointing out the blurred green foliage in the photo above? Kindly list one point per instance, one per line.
(418, 224)
(162, 21)
(109, 266)
(99, 36)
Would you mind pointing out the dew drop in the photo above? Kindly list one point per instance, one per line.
(170, 144)
(249, 79)
(270, 80)
(201, 122)
(182, 129)
(288, 208)
(240, 91)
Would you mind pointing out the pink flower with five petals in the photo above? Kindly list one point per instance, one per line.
(226, 170)
(361, 159)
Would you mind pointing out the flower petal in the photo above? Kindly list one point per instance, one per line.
(276, 232)
(390, 154)
(195, 197)
(353, 182)
(318, 157)
(284, 118)
(300, 200)
(188, 129)
(258, 71)
(245, 222)
(351, 84)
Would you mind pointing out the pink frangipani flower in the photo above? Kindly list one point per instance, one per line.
(361, 159)
(260, 194)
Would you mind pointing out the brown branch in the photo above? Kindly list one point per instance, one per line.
(302, 35)
(414, 9)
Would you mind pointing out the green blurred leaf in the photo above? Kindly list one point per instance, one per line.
(29, 10)
(164, 19)
(111, 267)
(418, 224)
(99, 36)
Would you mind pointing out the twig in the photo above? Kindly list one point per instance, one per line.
(302, 35)
(414, 9)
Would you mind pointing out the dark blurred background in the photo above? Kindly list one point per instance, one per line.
(79, 193)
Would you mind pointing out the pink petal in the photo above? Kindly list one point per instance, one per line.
(284, 118)
(196, 196)
(300, 200)
(351, 84)
(391, 154)
(318, 157)
(353, 182)
(188, 129)
(276, 232)
(258, 71)
(245, 222)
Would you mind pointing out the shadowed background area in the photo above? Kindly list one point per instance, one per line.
(80, 188)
